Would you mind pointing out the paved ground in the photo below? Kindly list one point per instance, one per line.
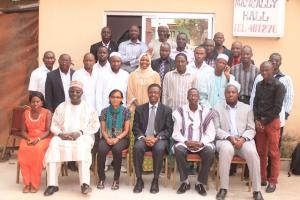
(287, 189)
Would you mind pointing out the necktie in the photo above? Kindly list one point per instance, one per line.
(151, 121)
(162, 70)
(190, 128)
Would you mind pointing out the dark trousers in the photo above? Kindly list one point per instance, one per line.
(207, 157)
(116, 149)
(158, 151)
(269, 158)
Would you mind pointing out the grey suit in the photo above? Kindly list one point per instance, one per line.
(246, 128)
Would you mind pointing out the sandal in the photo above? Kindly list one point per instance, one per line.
(115, 185)
(26, 189)
(33, 189)
(100, 184)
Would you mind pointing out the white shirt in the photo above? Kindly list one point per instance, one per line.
(108, 81)
(100, 67)
(38, 79)
(89, 84)
(66, 80)
(189, 53)
(207, 138)
(232, 120)
(204, 75)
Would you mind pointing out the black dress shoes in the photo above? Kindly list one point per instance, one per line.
(85, 188)
(257, 196)
(183, 187)
(200, 189)
(264, 183)
(72, 166)
(138, 186)
(50, 190)
(271, 188)
(154, 186)
(221, 194)
(100, 184)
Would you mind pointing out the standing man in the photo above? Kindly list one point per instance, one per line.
(165, 63)
(209, 45)
(181, 41)
(163, 37)
(267, 105)
(245, 73)
(177, 82)
(88, 76)
(203, 72)
(111, 79)
(132, 49)
(39, 75)
(74, 124)
(152, 128)
(102, 62)
(219, 47)
(106, 35)
(235, 136)
(58, 83)
(236, 49)
(194, 132)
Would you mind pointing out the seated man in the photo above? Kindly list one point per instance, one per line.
(152, 127)
(194, 132)
(235, 132)
(73, 125)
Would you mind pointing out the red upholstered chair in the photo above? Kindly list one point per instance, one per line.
(148, 154)
(125, 154)
(235, 160)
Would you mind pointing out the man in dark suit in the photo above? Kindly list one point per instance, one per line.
(106, 35)
(152, 128)
(163, 64)
(58, 83)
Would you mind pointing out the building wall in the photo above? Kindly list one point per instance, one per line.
(69, 27)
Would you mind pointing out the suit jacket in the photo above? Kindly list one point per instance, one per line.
(169, 65)
(113, 46)
(163, 121)
(54, 91)
(244, 121)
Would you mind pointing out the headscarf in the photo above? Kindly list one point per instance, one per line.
(145, 73)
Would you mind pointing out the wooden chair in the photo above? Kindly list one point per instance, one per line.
(191, 157)
(148, 154)
(235, 160)
(125, 154)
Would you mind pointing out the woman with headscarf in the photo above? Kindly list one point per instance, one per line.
(139, 80)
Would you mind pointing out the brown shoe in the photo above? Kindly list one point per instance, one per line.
(26, 189)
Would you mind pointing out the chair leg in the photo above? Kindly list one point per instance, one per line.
(166, 171)
(95, 168)
(4, 149)
(128, 168)
(18, 173)
(133, 175)
(174, 174)
(243, 171)
(249, 185)
(217, 176)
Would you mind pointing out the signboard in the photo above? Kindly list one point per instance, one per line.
(259, 18)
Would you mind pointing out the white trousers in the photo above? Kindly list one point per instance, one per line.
(53, 170)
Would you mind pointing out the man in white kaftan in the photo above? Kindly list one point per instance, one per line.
(73, 126)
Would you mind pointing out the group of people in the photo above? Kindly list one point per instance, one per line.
(208, 100)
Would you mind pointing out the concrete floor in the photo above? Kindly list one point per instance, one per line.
(288, 188)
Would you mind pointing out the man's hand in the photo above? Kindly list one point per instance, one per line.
(227, 72)
(65, 136)
(150, 140)
(75, 135)
(232, 140)
(259, 126)
(239, 143)
(193, 145)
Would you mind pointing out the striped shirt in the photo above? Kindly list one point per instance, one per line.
(131, 51)
(245, 77)
(288, 98)
(176, 87)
